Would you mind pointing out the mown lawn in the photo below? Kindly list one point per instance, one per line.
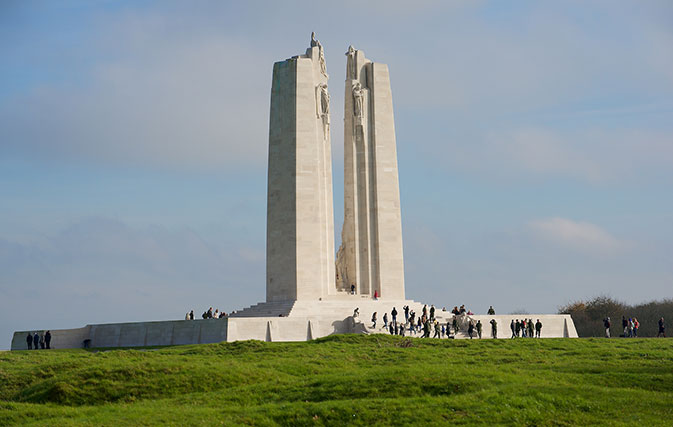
(347, 379)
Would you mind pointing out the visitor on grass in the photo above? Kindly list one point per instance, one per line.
(512, 326)
(47, 339)
(395, 328)
(517, 327)
(538, 328)
(662, 328)
(636, 325)
(625, 326)
(426, 329)
(531, 328)
(470, 330)
(391, 329)
(479, 326)
(374, 320)
(491, 312)
(607, 324)
(29, 341)
(629, 327)
(494, 328)
(443, 330)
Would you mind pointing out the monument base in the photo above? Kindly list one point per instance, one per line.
(282, 321)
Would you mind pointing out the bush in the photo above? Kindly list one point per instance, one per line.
(588, 315)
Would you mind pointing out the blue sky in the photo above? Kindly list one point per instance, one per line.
(535, 145)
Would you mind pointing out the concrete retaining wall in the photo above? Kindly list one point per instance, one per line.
(181, 332)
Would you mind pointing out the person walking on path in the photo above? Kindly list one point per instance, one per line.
(491, 312)
(662, 328)
(385, 320)
(437, 330)
(606, 324)
(512, 326)
(36, 341)
(470, 330)
(494, 328)
(479, 326)
(530, 328)
(374, 320)
(538, 328)
(29, 341)
(47, 339)
(406, 313)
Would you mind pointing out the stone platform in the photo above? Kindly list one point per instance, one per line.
(289, 321)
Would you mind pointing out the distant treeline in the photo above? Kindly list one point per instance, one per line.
(588, 316)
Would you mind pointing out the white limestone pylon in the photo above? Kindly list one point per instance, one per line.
(300, 217)
(371, 254)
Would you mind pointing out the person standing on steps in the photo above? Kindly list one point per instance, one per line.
(385, 320)
(29, 341)
(538, 328)
(394, 315)
(479, 326)
(531, 328)
(406, 313)
(47, 339)
(494, 328)
(36, 341)
(491, 311)
(432, 312)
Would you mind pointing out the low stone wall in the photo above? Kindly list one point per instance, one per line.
(181, 332)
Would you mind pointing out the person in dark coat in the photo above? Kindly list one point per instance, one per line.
(47, 339)
(479, 328)
(512, 327)
(494, 328)
(470, 330)
(662, 328)
(36, 341)
(491, 311)
(538, 328)
(606, 324)
(394, 315)
(29, 341)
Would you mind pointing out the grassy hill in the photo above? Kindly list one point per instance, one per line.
(347, 379)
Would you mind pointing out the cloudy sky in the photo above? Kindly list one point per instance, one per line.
(535, 145)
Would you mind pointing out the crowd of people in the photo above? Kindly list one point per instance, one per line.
(525, 328)
(208, 314)
(39, 341)
(427, 325)
(630, 327)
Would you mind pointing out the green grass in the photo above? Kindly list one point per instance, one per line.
(347, 379)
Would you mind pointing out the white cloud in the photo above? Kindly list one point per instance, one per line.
(582, 236)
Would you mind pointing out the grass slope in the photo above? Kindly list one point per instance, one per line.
(347, 379)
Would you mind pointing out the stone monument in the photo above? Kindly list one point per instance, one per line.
(308, 292)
